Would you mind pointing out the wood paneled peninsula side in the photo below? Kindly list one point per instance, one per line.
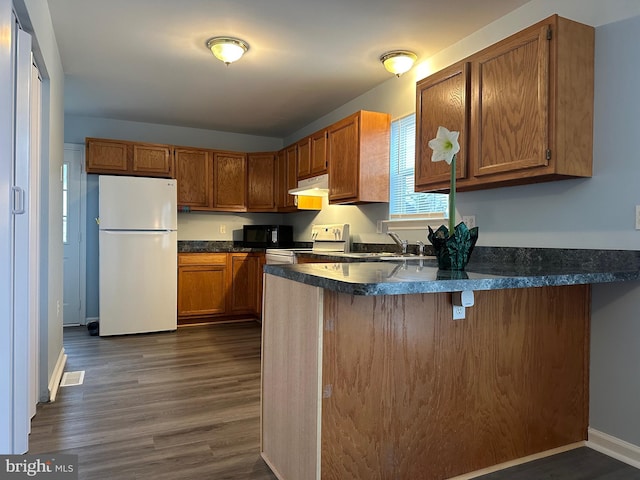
(366, 375)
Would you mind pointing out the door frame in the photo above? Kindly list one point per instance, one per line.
(35, 237)
(83, 230)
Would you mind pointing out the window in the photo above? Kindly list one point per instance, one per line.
(404, 203)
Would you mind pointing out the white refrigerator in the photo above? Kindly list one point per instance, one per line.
(138, 254)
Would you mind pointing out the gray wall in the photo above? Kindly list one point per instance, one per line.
(607, 217)
(587, 213)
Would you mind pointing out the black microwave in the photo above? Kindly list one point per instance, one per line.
(267, 236)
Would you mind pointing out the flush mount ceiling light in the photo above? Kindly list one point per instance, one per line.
(398, 61)
(227, 49)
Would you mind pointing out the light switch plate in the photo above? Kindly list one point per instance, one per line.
(637, 217)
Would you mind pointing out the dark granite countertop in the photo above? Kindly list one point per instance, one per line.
(506, 268)
(213, 246)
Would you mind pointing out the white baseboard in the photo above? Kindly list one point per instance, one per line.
(614, 447)
(54, 382)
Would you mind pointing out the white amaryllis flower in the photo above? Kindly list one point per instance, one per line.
(445, 145)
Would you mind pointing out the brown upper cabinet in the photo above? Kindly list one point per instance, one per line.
(319, 162)
(230, 181)
(443, 99)
(118, 157)
(524, 109)
(358, 156)
(261, 182)
(304, 157)
(312, 155)
(286, 179)
(194, 178)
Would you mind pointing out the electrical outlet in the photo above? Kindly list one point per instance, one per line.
(637, 217)
(458, 312)
(223, 229)
(469, 220)
(379, 226)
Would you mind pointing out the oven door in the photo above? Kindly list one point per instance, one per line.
(280, 258)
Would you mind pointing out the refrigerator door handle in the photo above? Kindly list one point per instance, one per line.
(18, 200)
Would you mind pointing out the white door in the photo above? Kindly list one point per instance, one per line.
(6, 231)
(73, 228)
(15, 65)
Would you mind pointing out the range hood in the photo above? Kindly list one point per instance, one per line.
(312, 187)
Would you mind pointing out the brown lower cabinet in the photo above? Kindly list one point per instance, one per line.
(390, 387)
(214, 287)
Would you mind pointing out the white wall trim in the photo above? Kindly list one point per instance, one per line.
(54, 383)
(614, 447)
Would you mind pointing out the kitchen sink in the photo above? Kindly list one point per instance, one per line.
(367, 254)
(407, 256)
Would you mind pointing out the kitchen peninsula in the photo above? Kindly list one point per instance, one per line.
(366, 375)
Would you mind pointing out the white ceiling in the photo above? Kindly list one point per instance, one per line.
(146, 60)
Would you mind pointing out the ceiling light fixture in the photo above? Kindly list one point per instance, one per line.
(398, 61)
(227, 49)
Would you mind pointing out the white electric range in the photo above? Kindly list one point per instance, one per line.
(326, 238)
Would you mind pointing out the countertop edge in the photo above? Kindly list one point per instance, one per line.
(448, 285)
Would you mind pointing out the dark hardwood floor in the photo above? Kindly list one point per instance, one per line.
(579, 464)
(159, 406)
(186, 405)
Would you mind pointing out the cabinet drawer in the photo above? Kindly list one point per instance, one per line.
(202, 259)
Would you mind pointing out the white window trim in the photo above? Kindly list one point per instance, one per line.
(399, 224)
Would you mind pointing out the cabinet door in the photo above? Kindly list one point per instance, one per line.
(287, 178)
(230, 181)
(319, 153)
(304, 158)
(291, 155)
(106, 156)
(261, 185)
(511, 95)
(284, 170)
(281, 179)
(344, 159)
(202, 284)
(151, 160)
(244, 268)
(194, 178)
(442, 99)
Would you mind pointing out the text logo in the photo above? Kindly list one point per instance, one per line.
(51, 467)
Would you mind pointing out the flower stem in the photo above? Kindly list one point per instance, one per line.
(452, 198)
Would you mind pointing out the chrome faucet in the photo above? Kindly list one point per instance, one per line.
(403, 244)
(420, 247)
